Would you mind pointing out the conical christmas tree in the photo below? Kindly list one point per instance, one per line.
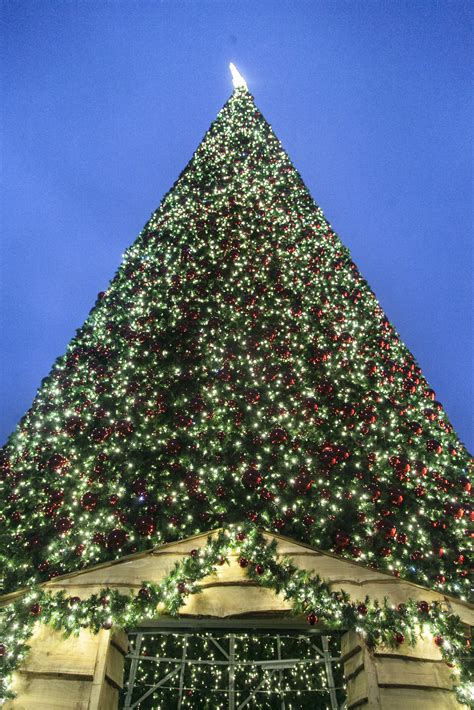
(238, 367)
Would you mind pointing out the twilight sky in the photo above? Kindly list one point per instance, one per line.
(104, 103)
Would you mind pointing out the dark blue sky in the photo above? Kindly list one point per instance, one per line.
(104, 103)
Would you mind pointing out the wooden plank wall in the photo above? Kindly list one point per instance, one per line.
(406, 678)
(82, 672)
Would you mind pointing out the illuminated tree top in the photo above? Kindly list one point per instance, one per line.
(238, 367)
(237, 78)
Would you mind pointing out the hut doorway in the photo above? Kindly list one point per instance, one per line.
(232, 668)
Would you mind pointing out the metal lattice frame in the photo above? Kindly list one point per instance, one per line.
(270, 668)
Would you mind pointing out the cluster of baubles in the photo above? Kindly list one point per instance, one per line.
(237, 367)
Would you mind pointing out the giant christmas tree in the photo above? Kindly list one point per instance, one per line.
(237, 368)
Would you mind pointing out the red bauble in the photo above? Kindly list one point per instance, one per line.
(341, 539)
(362, 609)
(434, 446)
(399, 638)
(415, 427)
(3, 650)
(441, 579)
(241, 536)
(123, 427)
(312, 619)
(466, 484)
(113, 499)
(396, 498)
(174, 446)
(194, 553)
(116, 539)
(302, 484)
(101, 434)
(74, 601)
(439, 641)
(58, 463)
(278, 436)
(252, 396)
(89, 500)
(259, 569)
(251, 478)
(385, 551)
(243, 562)
(279, 523)
(144, 594)
(308, 520)
(63, 525)
(139, 486)
(181, 586)
(402, 538)
(35, 609)
(423, 607)
(73, 425)
(145, 525)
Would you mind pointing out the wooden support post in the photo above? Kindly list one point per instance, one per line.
(413, 677)
(83, 672)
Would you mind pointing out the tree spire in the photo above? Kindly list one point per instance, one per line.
(237, 78)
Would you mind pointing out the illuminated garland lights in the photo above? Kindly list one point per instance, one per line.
(308, 594)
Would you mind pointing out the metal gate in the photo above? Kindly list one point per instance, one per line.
(232, 670)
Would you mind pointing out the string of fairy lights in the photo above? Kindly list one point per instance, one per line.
(300, 682)
(238, 367)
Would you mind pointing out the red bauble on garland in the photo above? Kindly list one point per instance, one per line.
(144, 594)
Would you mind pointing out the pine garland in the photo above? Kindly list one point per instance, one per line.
(309, 595)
